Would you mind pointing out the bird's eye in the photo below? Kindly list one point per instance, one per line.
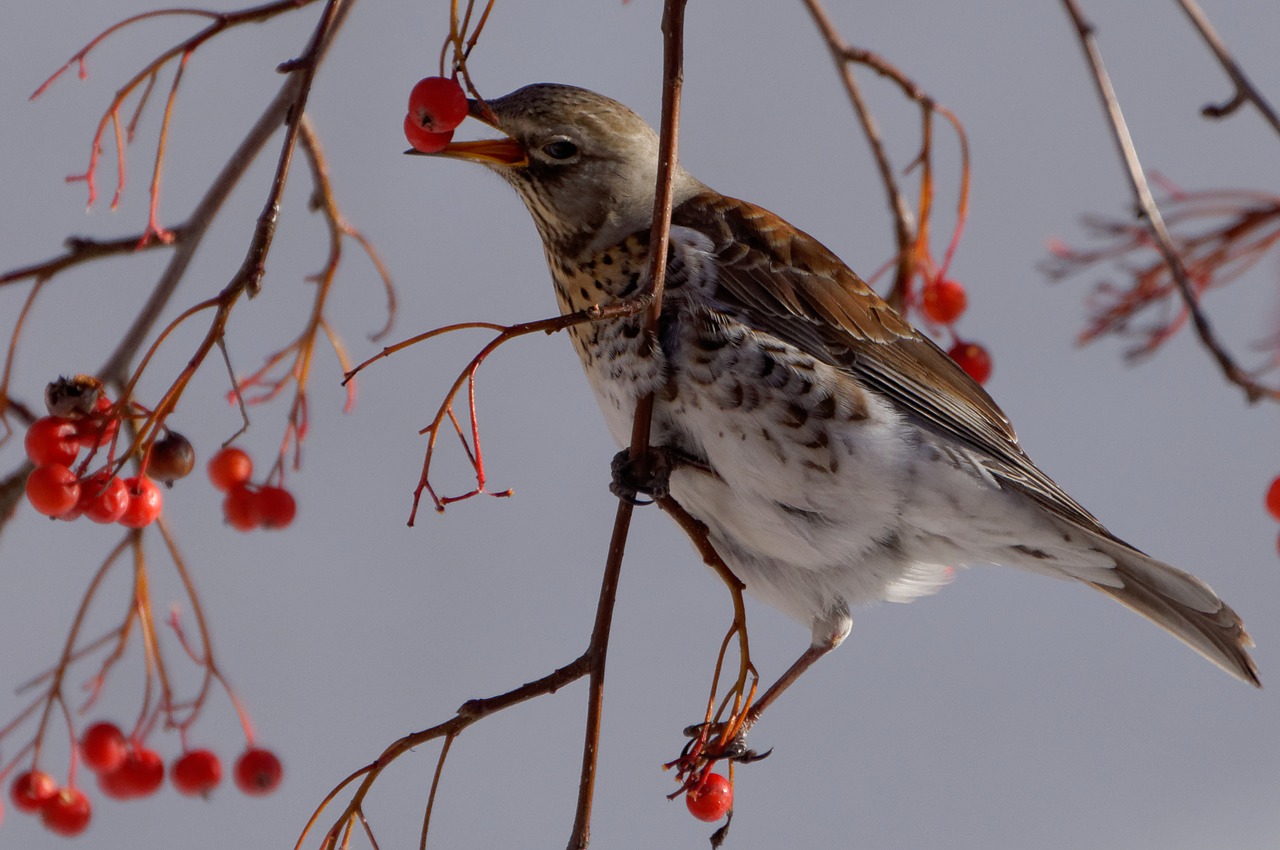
(560, 149)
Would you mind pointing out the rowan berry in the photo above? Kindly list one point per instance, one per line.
(258, 771)
(228, 467)
(67, 812)
(52, 489)
(711, 799)
(943, 301)
(973, 358)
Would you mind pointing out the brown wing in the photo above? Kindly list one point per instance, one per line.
(783, 282)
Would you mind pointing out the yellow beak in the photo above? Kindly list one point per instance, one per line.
(505, 152)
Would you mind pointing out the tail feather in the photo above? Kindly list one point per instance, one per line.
(1184, 606)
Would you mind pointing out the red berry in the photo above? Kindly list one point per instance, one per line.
(258, 772)
(103, 748)
(196, 773)
(711, 800)
(52, 439)
(116, 784)
(276, 507)
(31, 790)
(172, 457)
(943, 301)
(67, 813)
(240, 508)
(140, 775)
(437, 104)
(229, 467)
(145, 502)
(99, 427)
(52, 489)
(1273, 498)
(103, 499)
(973, 358)
(425, 141)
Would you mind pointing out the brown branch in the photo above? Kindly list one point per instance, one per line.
(506, 333)
(82, 249)
(1150, 211)
(470, 712)
(220, 22)
(660, 234)
(190, 234)
(304, 67)
(903, 222)
(1245, 91)
(116, 366)
(911, 232)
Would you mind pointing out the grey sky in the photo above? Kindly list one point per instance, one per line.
(1009, 711)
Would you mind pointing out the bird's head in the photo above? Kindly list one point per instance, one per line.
(585, 165)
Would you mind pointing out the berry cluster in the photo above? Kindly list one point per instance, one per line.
(127, 771)
(437, 106)
(248, 506)
(54, 442)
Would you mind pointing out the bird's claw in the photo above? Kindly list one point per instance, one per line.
(631, 479)
(735, 750)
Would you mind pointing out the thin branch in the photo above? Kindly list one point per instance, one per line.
(673, 78)
(304, 68)
(281, 107)
(903, 223)
(660, 234)
(1245, 92)
(115, 368)
(1150, 211)
(471, 711)
(82, 249)
(219, 23)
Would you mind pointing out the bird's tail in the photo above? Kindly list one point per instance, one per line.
(1181, 604)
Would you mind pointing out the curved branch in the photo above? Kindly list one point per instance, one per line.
(1150, 212)
(903, 223)
(1245, 92)
(288, 98)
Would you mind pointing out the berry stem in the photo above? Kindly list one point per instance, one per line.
(54, 692)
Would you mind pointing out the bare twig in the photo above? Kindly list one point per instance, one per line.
(1150, 211)
(468, 713)
(304, 67)
(190, 234)
(911, 232)
(903, 221)
(82, 249)
(1245, 91)
(219, 22)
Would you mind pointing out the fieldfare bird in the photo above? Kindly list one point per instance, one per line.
(836, 455)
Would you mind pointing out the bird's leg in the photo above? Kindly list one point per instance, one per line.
(718, 739)
(795, 671)
(718, 736)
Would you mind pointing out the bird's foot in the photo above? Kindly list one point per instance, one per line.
(704, 744)
(652, 478)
